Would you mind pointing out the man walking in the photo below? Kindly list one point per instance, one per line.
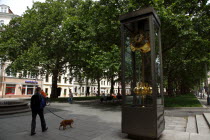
(37, 108)
(70, 97)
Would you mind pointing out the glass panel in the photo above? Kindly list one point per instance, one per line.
(157, 66)
(23, 89)
(30, 90)
(10, 89)
(47, 78)
(138, 80)
(46, 90)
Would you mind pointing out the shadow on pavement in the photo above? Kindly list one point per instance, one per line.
(104, 106)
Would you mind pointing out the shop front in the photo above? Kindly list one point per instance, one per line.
(13, 87)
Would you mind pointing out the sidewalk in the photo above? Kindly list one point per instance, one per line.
(92, 122)
(203, 101)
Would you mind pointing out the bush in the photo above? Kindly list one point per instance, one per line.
(187, 100)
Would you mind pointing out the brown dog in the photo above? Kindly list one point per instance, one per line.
(64, 123)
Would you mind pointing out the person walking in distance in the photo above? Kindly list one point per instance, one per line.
(37, 107)
(70, 96)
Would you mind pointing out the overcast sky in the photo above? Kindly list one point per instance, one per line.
(19, 6)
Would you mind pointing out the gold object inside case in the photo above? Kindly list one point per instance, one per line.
(143, 89)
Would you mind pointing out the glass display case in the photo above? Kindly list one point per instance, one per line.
(143, 108)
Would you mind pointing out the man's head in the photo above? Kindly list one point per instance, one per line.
(38, 90)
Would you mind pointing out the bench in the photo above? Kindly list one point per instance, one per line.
(106, 98)
(111, 98)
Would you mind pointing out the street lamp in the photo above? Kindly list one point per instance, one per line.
(1, 76)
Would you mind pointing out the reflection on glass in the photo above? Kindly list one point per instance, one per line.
(157, 67)
(138, 62)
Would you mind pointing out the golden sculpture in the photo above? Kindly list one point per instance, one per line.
(143, 89)
(140, 42)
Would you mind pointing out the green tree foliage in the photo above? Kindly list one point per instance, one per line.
(185, 40)
(100, 38)
(43, 38)
(84, 35)
(185, 43)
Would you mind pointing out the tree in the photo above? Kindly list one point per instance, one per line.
(53, 38)
(184, 48)
(43, 38)
(100, 41)
(105, 54)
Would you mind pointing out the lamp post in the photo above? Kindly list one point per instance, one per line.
(1, 76)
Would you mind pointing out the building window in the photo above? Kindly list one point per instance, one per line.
(33, 76)
(76, 78)
(47, 78)
(83, 89)
(59, 79)
(46, 90)
(1, 22)
(23, 90)
(24, 74)
(30, 90)
(65, 80)
(3, 9)
(10, 73)
(104, 82)
(64, 91)
(10, 89)
(70, 80)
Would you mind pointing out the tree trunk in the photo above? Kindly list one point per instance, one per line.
(98, 81)
(54, 84)
(184, 88)
(112, 85)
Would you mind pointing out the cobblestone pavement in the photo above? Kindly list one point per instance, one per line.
(93, 121)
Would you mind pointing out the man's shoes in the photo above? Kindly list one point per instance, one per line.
(33, 133)
(45, 129)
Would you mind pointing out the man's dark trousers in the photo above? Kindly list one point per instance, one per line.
(33, 123)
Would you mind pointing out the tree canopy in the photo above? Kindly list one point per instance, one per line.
(84, 35)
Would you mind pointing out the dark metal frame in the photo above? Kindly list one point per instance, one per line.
(133, 118)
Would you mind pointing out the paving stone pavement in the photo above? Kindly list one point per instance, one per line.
(92, 122)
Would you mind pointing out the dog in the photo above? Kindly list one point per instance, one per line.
(64, 123)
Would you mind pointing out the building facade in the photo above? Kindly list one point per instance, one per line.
(6, 14)
(79, 88)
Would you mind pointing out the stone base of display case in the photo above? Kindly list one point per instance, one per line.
(139, 122)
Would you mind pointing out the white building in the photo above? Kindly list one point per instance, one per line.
(78, 88)
(6, 14)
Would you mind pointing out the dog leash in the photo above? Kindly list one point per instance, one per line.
(55, 114)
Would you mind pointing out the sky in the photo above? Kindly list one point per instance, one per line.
(18, 7)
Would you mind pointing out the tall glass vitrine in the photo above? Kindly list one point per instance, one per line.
(143, 107)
